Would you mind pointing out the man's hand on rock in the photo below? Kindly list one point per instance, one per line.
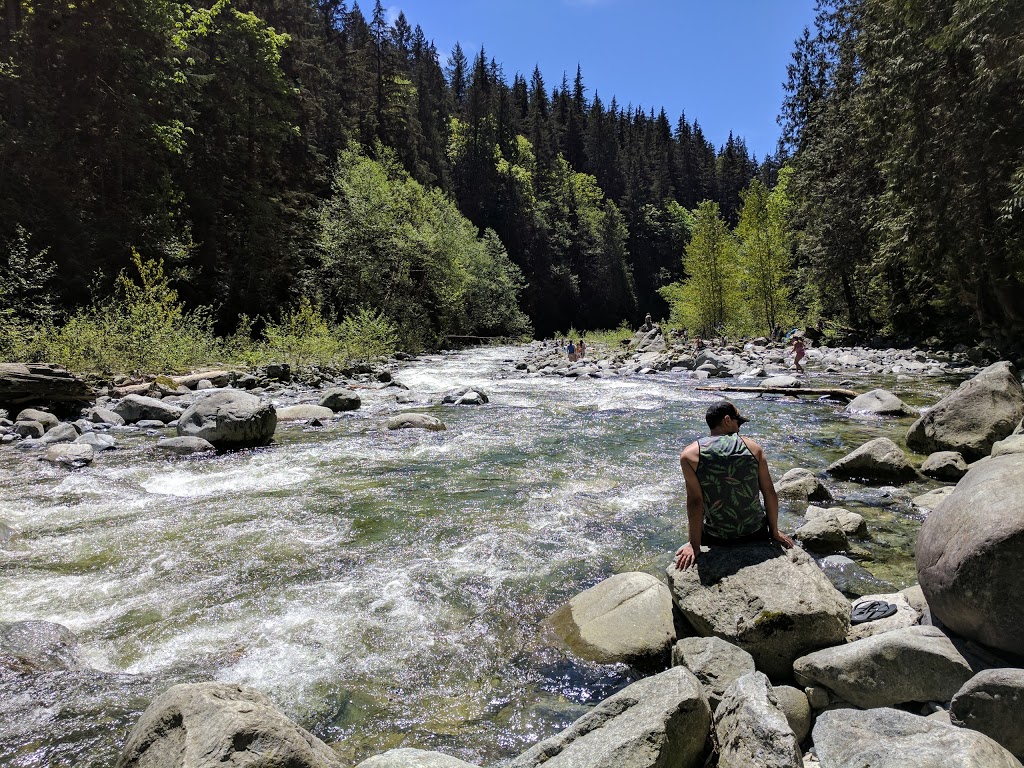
(685, 557)
(782, 539)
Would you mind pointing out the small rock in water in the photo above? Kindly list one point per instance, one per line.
(184, 446)
(70, 454)
(415, 421)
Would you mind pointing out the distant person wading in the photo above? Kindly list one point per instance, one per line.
(726, 476)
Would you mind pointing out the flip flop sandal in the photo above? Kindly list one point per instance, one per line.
(871, 610)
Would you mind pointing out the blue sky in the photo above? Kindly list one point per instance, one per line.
(722, 62)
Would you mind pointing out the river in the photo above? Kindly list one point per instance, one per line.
(389, 588)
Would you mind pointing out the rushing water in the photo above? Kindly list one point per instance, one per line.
(389, 588)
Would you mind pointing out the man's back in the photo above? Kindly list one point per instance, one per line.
(728, 474)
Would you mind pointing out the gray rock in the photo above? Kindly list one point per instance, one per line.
(906, 616)
(851, 523)
(62, 433)
(304, 413)
(48, 420)
(969, 555)
(70, 454)
(974, 417)
(229, 419)
(203, 384)
(657, 722)
(415, 421)
(185, 446)
(7, 533)
(817, 697)
(891, 738)
(30, 429)
(1009, 445)
(992, 702)
(776, 604)
(822, 534)
(152, 424)
(340, 399)
(850, 578)
(932, 499)
(878, 459)
(465, 396)
(39, 646)
(212, 724)
(944, 465)
(714, 662)
(802, 484)
(135, 408)
(751, 728)
(904, 665)
(879, 402)
(413, 758)
(627, 618)
(780, 382)
(97, 441)
(103, 416)
(797, 709)
(8, 438)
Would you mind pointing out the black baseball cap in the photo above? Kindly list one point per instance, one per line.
(721, 409)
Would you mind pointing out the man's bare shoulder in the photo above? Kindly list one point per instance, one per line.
(754, 447)
(691, 453)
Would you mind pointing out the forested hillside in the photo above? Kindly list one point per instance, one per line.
(265, 150)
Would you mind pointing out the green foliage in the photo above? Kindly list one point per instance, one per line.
(307, 336)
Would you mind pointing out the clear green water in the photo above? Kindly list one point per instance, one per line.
(390, 588)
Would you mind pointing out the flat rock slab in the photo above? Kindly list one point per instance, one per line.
(906, 616)
(878, 459)
(661, 721)
(751, 728)
(627, 618)
(774, 603)
(992, 702)
(185, 446)
(414, 758)
(904, 665)
(714, 662)
(932, 499)
(970, 555)
(891, 738)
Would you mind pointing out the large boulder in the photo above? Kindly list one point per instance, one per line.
(910, 664)
(229, 419)
(1009, 445)
(340, 399)
(39, 646)
(73, 455)
(891, 738)
(801, 483)
(970, 555)
(661, 721)
(627, 618)
(974, 417)
(879, 402)
(714, 662)
(135, 408)
(47, 419)
(878, 459)
(992, 702)
(751, 728)
(774, 603)
(944, 465)
(62, 433)
(797, 709)
(413, 758)
(215, 724)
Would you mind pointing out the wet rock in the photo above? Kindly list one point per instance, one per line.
(890, 738)
(878, 459)
(969, 555)
(465, 396)
(229, 419)
(7, 533)
(751, 728)
(103, 416)
(776, 604)
(797, 709)
(780, 382)
(204, 384)
(70, 455)
(714, 662)
(152, 424)
(904, 665)
(822, 533)
(304, 413)
(932, 499)
(802, 483)
(185, 446)
(38, 646)
(48, 420)
(339, 399)
(220, 724)
(663, 720)
(415, 421)
(627, 618)
(974, 417)
(30, 429)
(906, 616)
(852, 523)
(944, 465)
(62, 433)
(414, 758)
(97, 441)
(879, 402)
(991, 702)
(135, 408)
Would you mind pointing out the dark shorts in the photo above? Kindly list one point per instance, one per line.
(710, 540)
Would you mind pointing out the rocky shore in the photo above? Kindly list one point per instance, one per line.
(750, 658)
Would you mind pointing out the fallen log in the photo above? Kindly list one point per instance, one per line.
(25, 384)
(835, 394)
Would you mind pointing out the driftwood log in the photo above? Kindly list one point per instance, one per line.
(835, 394)
(25, 384)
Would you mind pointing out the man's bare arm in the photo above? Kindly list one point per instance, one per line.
(768, 493)
(686, 555)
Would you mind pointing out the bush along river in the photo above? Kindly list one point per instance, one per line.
(384, 587)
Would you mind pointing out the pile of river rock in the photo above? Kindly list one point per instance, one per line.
(749, 658)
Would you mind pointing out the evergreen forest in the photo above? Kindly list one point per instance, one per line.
(268, 169)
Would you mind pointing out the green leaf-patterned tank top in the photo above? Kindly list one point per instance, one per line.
(727, 472)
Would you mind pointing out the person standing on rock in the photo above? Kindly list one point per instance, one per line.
(571, 351)
(726, 478)
(582, 348)
(799, 352)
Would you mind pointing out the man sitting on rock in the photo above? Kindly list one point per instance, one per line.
(726, 476)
